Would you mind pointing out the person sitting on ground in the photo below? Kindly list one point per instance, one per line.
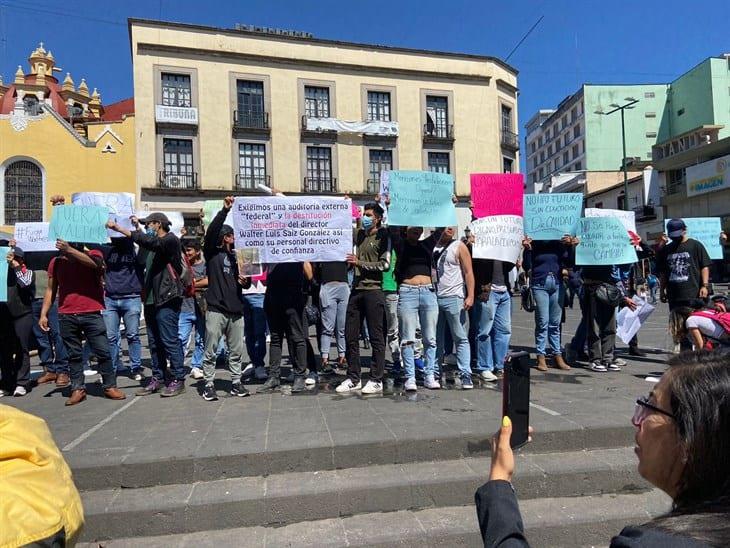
(683, 449)
(705, 326)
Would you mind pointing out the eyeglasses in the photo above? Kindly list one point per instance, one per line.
(644, 409)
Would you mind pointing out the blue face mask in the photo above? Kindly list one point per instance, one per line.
(367, 222)
(151, 232)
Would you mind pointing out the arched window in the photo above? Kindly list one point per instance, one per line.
(23, 192)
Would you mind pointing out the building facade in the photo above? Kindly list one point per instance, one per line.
(56, 138)
(223, 111)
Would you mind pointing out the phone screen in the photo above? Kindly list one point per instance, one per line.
(516, 396)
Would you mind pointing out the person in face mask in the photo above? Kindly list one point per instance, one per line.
(684, 269)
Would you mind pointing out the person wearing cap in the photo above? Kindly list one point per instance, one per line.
(684, 269)
(163, 294)
(225, 306)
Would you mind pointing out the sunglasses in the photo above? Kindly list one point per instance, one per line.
(643, 409)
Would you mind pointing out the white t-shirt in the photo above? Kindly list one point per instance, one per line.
(450, 278)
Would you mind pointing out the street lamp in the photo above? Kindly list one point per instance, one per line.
(630, 102)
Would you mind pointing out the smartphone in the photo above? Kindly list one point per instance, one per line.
(516, 396)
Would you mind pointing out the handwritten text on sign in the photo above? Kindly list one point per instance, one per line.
(82, 224)
(289, 230)
(497, 194)
(627, 218)
(120, 205)
(421, 198)
(706, 230)
(498, 237)
(603, 241)
(551, 216)
(33, 237)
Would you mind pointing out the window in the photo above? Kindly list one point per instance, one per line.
(316, 102)
(566, 139)
(542, 156)
(23, 193)
(542, 173)
(555, 130)
(250, 102)
(507, 164)
(564, 122)
(576, 151)
(534, 162)
(539, 141)
(649, 95)
(439, 162)
(680, 112)
(651, 134)
(550, 151)
(178, 163)
(533, 148)
(380, 160)
(620, 200)
(650, 115)
(576, 132)
(565, 158)
(506, 119)
(534, 177)
(251, 165)
(577, 166)
(176, 90)
(573, 114)
(379, 106)
(31, 106)
(319, 170)
(437, 116)
(598, 205)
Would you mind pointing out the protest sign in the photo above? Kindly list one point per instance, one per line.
(627, 218)
(211, 209)
(4, 275)
(498, 237)
(628, 322)
(287, 230)
(119, 204)
(603, 241)
(81, 224)
(551, 216)
(33, 237)
(706, 230)
(497, 194)
(384, 183)
(249, 262)
(421, 198)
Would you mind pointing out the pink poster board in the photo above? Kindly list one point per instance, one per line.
(497, 194)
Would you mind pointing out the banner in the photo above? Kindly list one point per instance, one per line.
(708, 176)
(249, 262)
(603, 241)
(368, 127)
(628, 322)
(211, 209)
(552, 216)
(290, 230)
(421, 198)
(627, 218)
(33, 237)
(706, 230)
(79, 224)
(497, 194)
(120, 205)
(498, 237)
(4, 275)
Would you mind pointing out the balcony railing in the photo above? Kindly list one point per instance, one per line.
(317, 184)
(316, 131)
(510, 139)
(372, 186)
(251, 182)
(250, 120)
(432, 132)
(645, 213)
(178, 181)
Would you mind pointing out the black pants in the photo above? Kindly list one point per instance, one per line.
(17, 335)
(685, 343)
(74, 327)
(601, 326)
(285, 316)
(368, 305)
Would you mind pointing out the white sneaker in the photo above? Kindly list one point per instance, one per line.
(196, 373)
(348, 386)
(260, 373)
(431, 383)
(410, 385)
(373, 387)
(20, 391)
(248, 370)
(618, 361)
(311, 379)
(89, 372)
(4, 393)
(488, 376)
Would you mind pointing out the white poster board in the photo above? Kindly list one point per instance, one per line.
(628, 322)
(120, 204)
(627, 218)
(33, 237)
(498, 237)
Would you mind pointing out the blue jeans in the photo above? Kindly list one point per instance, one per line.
(254, 328)
(188, 322)
(417, 303)
(333, 298)
(494, 329)
(127, 309)
(548, 311)
(164, 342)
(453, 315)
(51, 351)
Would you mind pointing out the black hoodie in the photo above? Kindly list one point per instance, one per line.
(224, 291)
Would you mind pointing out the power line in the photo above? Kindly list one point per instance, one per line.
(61, 13)
(524, 38)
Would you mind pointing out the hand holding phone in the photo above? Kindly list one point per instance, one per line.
(516, 396)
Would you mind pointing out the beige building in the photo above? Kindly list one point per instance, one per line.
(225, 110)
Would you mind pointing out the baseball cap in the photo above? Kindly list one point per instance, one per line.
(18, 253)
(226, 230)
(156, 217)
(675, 228)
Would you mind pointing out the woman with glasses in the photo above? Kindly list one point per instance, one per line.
(683, 446)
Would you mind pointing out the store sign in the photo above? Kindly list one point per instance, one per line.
(708, 176)
(176, 115)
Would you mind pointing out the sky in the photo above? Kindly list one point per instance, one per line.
(578, 41)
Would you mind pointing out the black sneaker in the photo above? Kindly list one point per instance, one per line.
(326, 369)
(209, 393)
(271, 384)
(299, 384)
(237, 389)
(634, 351)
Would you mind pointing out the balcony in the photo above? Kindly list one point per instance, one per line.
(251, 121)
(310, 129)
(178, 181)
(372, 186)
(177, 116)
(645, 213)
(251, 182)
(317, 184)
(687, 148)
(438, 134)
(510, 140)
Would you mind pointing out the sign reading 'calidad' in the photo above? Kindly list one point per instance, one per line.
(289, 230)
(552, 216)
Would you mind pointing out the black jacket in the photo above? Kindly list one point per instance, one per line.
(224, 291)
(501, 525)
(165, 285)
(20, 293)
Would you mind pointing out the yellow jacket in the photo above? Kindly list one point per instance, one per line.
(38, 497)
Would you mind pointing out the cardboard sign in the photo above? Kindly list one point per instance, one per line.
(4, 274)
(498, 237)
(551, 216)
(603, 241)
(119, 204)
(33, 237)
(421, 198)
(627, 218)
(497, 194)
(384, 183)
(79, 224)
(705, 230)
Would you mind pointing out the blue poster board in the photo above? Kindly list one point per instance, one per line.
(4, 274)
(421, 198)
(603, 241)
(552, 216)
(79, 224)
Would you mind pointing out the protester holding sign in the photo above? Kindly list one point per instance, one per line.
(192, 310)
